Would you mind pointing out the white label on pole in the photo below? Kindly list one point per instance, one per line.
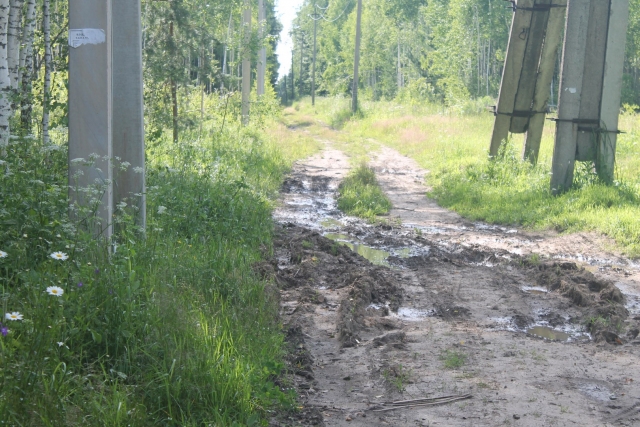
(86, 36)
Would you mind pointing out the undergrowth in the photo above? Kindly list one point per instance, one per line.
(360, 195)
(168, 326)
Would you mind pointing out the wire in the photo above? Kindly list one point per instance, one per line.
(329, 20)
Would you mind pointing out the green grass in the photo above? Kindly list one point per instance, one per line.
(361, 196)
(453, 147)
(167, 327)
(453, 359)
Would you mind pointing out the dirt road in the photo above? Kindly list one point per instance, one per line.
(512, 327)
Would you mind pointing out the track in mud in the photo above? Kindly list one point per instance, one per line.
(432, 308)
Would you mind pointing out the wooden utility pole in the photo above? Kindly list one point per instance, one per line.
(573, 62)
(90, 77)
(128, 116)
(262, 57)
(293, 91)
(315, 18)
(301, 63)
(246, 63)
(356, 62)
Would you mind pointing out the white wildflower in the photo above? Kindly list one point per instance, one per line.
(59, 256)
(13, 316)
(55, 291)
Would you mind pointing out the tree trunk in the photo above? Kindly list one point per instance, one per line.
(47, 71)
(174, 95)
(5, 83)
(25, 72)
(13, 41)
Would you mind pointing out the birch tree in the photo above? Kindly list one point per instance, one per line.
(25, 70)
(13, 41)
(47, 70)
(5, 83)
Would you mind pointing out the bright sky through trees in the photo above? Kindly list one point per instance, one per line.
(286, 11)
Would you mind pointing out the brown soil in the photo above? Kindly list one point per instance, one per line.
(451, 312)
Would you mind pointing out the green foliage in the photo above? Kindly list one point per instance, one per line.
(169, 327)
(452, 359)
(360, 194)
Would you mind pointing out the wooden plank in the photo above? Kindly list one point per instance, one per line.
(527, 84)
(612, 88)
(592, 79)
(552, 38)
(573, 56)
(511, 73)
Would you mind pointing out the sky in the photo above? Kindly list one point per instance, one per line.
(286, 10)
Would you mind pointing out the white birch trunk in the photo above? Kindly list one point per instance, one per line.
(26, 53)
(13, 41)
(5, 83)
(47, 71)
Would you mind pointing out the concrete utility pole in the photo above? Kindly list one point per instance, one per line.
(573, 62)
(544, 87)
(246, 63)
(262, 60)
(315, 18)
(511, 73)
(356, 62)
(90, 76)
(128, 116)
(527, 83)
(612, 88)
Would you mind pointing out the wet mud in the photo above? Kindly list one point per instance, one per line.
(430, 306)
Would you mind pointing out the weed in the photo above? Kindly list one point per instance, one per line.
(453, 359)
(307, 244)
(360, 194)
(397, 376)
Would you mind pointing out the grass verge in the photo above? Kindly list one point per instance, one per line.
(164, 327)
(361, 196)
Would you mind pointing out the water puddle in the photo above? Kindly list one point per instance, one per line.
(375, 256)
(596, 391)
(331, 223)
(412, 314)
(542, 329)
(548, 333)
(632, 296)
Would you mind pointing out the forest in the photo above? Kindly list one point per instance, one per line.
(308, 264)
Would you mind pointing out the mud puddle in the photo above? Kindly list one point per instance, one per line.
(440, 314)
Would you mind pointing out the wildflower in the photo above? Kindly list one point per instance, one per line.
(60, 343)
(80, 284)
(3, 254)
(4, 331)
(13, 316)
(138, 169)
(161, 210)
(59, 255)
(55, 291)
(97, 271)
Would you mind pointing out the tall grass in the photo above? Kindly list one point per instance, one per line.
(453, 145)
(164, 327)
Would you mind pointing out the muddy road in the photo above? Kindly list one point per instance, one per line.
(509, 327)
